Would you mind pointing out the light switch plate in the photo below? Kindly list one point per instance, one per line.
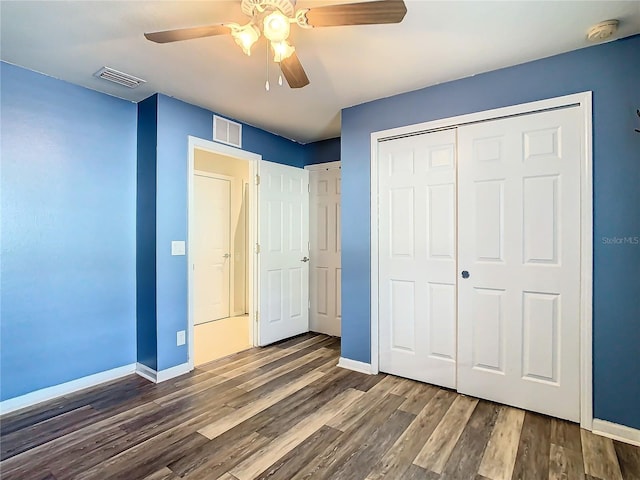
(178, 247)
(181, 338)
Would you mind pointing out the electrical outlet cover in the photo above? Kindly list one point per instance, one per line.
(178, 247)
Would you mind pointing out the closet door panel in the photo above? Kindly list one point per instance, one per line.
(519, 241)
(417, 257)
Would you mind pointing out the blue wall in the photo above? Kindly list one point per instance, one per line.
(93, 192)
(147, 338)
(176, 121)
(323, 151)
(68, 232)
(612, 72)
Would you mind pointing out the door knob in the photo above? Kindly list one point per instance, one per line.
(305, 259)
(465, 274)
(226, 255)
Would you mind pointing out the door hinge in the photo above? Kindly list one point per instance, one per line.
(257, 248)
(309, 187)
(309, 246)
(257, 316)
(257, 179)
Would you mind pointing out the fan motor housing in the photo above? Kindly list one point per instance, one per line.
(250, 7)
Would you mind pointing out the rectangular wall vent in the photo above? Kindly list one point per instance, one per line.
(226, 131)
(120, 78)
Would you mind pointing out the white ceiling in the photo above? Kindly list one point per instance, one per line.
(436, 42)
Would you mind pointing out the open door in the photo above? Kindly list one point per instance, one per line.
(283, 259)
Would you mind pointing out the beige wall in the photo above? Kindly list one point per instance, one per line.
(220, 338)
(239, 169)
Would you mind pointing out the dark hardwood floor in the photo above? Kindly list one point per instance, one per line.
(287, 412)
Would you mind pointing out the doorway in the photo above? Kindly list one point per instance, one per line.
(220, 256)
(276, 286)
(482, 255)
(221, 226)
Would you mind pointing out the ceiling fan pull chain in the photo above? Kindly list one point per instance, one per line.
(272, 19)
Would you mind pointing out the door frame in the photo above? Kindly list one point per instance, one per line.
(195, 143)
(581, 100)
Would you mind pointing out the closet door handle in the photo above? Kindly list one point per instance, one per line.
(226, 255)
(305, 259)
(465, 274)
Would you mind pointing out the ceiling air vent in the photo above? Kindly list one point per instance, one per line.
(226, 131)
(120, 78)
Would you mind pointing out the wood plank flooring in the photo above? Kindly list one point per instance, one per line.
(286, 412)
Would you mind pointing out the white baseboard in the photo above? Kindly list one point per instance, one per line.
(66, 388)
(146, 372)
(355, 365)
(616, 431)
(162, 375)
(169, 373)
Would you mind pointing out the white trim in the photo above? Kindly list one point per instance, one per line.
(163, 375)
(616, 431)
(169, 373)
(146, 372)
(219, 176)
(520, 109)
(324, 166)
(253, 159)
(584, 102)
(355, 366)
(49, 393)
(375, 321)
(586, 268)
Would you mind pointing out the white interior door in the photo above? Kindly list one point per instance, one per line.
(519, 241)
(283, 236)
(212, 212)
(325, 284)
(417, 257)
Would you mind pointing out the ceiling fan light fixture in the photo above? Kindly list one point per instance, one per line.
(273, 19)
(282, 50)
(276, 26)
(246, 36)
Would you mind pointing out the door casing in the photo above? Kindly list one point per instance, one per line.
(195, 143)
(580, 100)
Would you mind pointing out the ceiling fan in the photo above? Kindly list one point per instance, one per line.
(273, 19)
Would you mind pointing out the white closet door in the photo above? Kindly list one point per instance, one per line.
(325, 250)
(212, 216)
(417, 267)
(519, 241)
(283, 235)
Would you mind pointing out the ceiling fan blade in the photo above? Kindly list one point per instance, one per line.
(293, 71)
(187, 33)
(365, 13)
